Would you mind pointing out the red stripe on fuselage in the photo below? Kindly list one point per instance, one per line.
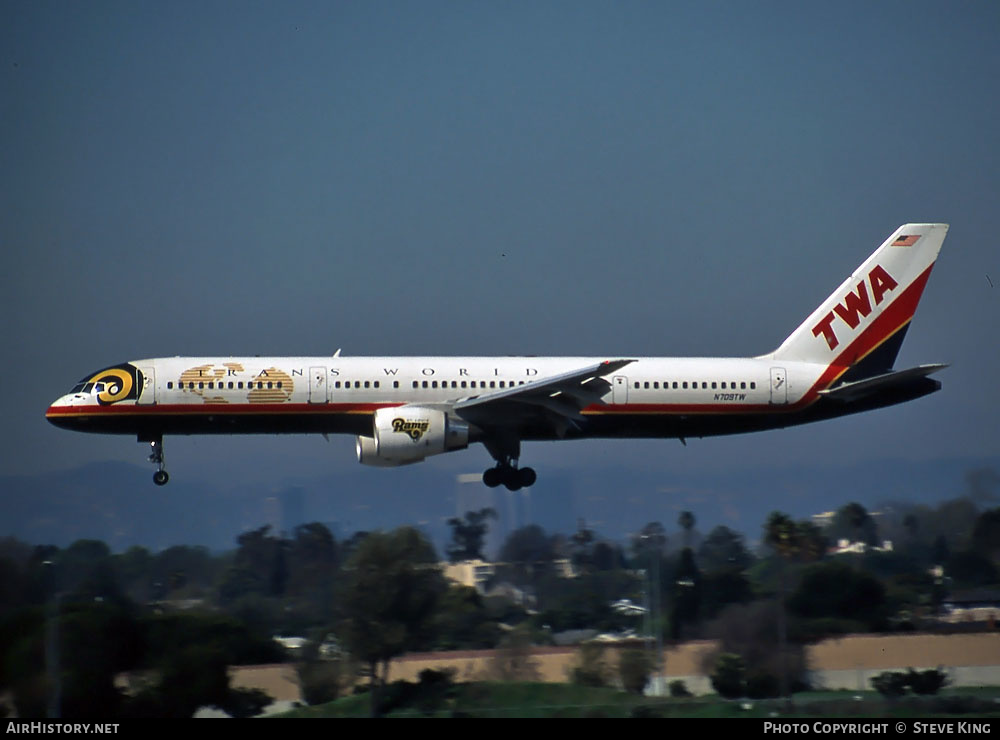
(215, 409)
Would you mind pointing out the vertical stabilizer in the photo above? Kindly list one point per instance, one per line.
(866, 318)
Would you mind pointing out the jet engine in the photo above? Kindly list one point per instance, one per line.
(408, 434)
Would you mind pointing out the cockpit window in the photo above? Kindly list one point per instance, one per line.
(112, 384)
(88, 388)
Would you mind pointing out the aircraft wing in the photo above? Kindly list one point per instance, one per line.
(861, 388)
(558, 399)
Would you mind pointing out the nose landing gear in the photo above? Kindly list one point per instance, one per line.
(160, 477)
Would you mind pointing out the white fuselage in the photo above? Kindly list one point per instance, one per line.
(403, 409)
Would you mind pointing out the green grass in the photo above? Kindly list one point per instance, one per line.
(530, 700)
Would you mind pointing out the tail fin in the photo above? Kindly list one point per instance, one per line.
(865, 319)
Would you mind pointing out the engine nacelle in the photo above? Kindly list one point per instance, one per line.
(408, 434)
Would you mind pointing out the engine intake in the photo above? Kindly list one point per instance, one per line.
(407, 434)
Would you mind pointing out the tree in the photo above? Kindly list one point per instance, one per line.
(181, 570)
(581, 544)
(748, 630)
(652, 536)
(634, 668)
(853, 522)
(528, 545)
(590, 667)
(838, 591)
(468, 535)
(729, 676)
(686, 521)
(686, 593)
(528, 552)
(800, 541)
(512, 660)
(722, 550)
(986, 535)
(390, 596)
(463, 622)
(313, 558)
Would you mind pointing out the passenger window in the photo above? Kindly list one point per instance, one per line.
(753, 386)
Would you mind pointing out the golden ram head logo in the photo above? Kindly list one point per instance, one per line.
(415, 429)
(120, 383)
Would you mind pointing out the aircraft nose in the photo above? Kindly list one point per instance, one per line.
(56, 412)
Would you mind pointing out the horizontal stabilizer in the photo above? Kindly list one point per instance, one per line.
(859, 389)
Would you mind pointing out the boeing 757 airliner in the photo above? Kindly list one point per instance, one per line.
(404, 409)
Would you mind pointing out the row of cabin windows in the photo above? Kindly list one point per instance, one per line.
(467, 384)
(260, 384)
(212, 385)
(683, 384)
(361, 384)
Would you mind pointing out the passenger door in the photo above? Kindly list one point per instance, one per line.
(317, 385)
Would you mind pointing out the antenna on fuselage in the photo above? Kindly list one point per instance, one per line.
(337, 353)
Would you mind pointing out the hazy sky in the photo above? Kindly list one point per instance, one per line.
(609, 179)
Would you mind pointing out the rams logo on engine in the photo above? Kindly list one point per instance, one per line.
(415, 429)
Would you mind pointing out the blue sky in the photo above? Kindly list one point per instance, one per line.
(609, 179)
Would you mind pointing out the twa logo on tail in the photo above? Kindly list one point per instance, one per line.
(881, 296)
(856, 305)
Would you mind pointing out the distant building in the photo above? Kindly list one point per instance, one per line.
(972, 606)
(859, 548)
(472, 573)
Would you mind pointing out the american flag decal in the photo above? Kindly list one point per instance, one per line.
(905, 241)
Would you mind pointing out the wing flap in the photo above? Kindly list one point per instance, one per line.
(561, 396)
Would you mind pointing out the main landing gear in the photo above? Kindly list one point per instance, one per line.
(506, 471)
(160, 477)
(512, 477)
